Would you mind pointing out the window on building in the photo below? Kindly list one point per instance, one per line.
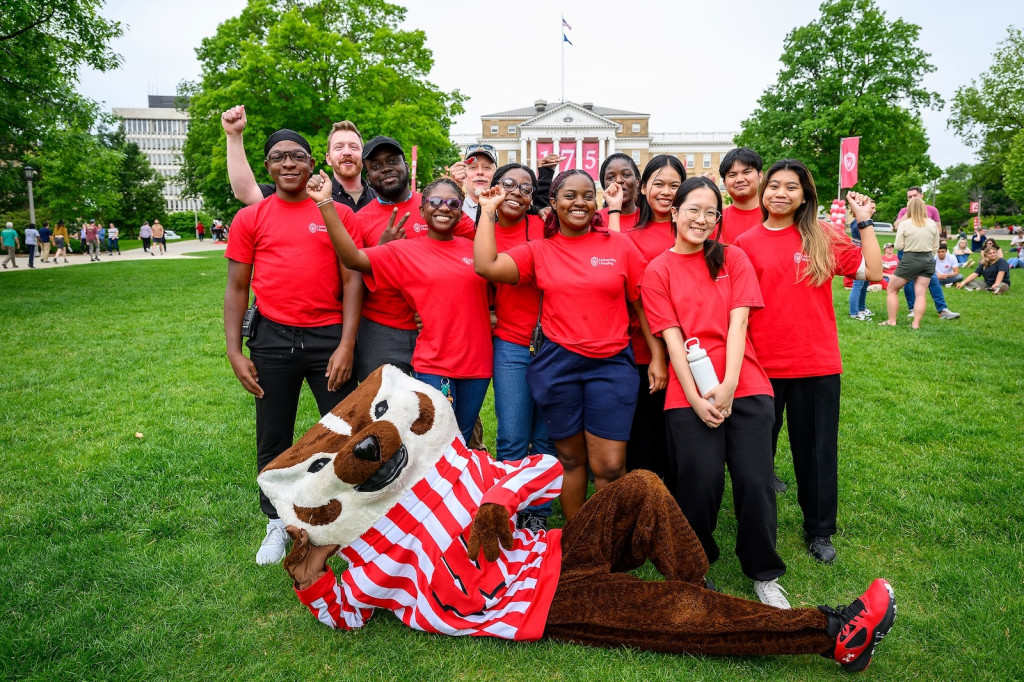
(494, 130)
(636, 127)
(707, 161)
(689, 160)
(635, 155)
(512, 156)
(511, 130)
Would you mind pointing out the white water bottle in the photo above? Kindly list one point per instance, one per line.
(700, 366)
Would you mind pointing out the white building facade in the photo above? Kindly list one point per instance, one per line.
(160, 133)
(585, 134)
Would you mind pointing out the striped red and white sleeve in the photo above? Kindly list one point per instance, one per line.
(326, 600)
(521, 483)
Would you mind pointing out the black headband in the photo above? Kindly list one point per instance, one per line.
(285, 134)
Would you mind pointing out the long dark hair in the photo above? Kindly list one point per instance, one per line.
(653, 166)
(500, 173)
(815, 241)
(714, 252)
(551, 224)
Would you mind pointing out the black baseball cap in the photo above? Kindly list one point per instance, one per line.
(380, 142)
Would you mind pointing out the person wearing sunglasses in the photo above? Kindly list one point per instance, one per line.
(435, 277)
(308, 310)
(474, 174)
(388, 331)
(583, 376)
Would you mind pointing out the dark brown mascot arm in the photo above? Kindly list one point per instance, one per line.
(306, 563)
(490, 526)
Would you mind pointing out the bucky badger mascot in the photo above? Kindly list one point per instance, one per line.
(427, 527)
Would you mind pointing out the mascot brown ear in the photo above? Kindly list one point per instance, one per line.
(491, 525)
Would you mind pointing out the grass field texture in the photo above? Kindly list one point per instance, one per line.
(127, 558)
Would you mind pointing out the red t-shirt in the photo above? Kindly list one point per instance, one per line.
(90, 232)
(516, 305)
(626, 222)
(678, 292)
(653, 240)
(437, 279)
(889, 263)
(795, 334)
(387, 307)
(736, 221)
(587, 281)
(296, 275)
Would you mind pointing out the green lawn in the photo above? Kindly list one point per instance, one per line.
(133, 558)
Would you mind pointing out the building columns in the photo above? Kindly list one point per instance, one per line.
(601, 142)
(522, 152)
(579, 152)
(611, 145)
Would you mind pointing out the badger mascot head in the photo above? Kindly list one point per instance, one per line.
(362, 458)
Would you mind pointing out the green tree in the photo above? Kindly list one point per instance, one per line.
(77, 176)
(44, 43)
(954, 192)
(304, 65)
(851, 72)
(989, 115)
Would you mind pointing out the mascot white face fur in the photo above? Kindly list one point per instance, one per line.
(362, 458)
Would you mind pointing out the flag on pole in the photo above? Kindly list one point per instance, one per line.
(975, 207)
(566, 39)
(849, 150)
(566, 24)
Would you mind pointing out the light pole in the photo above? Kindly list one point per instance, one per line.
(30, 174)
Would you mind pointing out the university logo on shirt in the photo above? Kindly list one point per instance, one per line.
(595, 261)
(467, 261)
(419, 227)
(314, 228)
(800, 257)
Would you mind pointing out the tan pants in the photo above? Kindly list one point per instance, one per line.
(44, 251)
(10, 257)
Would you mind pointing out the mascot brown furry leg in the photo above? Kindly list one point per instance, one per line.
(427, 527)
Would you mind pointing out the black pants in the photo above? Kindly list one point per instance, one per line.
(285, 356)
(700, 455)
(811, 406)
(647, 448)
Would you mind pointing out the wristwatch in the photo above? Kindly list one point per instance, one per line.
(865, 223)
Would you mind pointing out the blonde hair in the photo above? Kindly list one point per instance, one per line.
(916, 212)
(347, 126)
(816, 239)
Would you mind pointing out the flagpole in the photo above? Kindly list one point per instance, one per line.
(561, 34)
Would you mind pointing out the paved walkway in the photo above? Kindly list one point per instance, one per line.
(175, 249)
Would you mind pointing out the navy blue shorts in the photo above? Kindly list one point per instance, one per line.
(577, 393)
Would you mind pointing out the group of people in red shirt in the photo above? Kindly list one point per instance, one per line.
(594, 311)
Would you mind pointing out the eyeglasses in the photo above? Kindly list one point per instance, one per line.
(437, 202)
(298, 156)
(393, 162)
(510, 185)
(711, 215)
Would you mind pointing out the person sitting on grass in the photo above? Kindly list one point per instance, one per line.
(947, 269)
(995, 272)
(992, 242)
(963, 253)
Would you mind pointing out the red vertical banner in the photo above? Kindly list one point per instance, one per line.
(849, 151)
(975, 207)
(567, 150)
(590, 161)
(543, 149)
(414, 150)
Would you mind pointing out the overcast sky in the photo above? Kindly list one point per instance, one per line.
(509, 54)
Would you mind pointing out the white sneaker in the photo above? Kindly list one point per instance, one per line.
(770, 592)
(274, 545)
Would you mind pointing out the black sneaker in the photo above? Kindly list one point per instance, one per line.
(778, 484)
(532, 522)
(820, 547)
(859, 627)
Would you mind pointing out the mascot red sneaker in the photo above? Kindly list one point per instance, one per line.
(427, 527)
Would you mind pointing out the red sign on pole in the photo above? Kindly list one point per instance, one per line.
(543, 149)
(849, 150)
(589, 162)
(975, 207)
(977, 221)
(414, 150)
